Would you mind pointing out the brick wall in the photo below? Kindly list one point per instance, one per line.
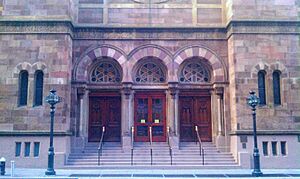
(280, 52)
(30, 52)
(46, 9)
(263, 10)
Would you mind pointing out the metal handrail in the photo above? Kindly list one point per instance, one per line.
(170, 148)
(201, 149)
(132, 134)
(101, 144)
(150, 137)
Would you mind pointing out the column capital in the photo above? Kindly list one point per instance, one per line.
(81, 91)
(219, 91)
(173, 87)
(127, 89)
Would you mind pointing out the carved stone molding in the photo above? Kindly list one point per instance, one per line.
(65, 27)
(162, 33)
(150, 33)
(263, 27)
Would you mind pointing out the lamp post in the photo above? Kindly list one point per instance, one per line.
(52, 99)
(252, 101)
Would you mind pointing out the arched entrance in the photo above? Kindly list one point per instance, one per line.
(104, 104)
(150, 104)
(195, 100)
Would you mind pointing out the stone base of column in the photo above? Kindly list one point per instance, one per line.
(126, 143)
(174, 142)
(77, 144)
(222, 143)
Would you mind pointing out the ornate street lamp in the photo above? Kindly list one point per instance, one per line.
(252, 101)
(52, 99)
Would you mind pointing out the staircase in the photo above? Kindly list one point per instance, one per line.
(186, 157)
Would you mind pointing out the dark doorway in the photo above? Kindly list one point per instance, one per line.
(105, 110)
(195, 109)
(150, 111)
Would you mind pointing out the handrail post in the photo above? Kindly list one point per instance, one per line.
(170, 148)
(150, 132)
(132, 134)
(202, 156)
(100, 144)
(201, 149)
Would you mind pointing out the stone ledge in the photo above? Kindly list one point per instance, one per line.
(33, 133)
(266, 132)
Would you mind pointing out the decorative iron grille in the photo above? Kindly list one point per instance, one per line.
(194, 72)
(150, 73)
(105, 72)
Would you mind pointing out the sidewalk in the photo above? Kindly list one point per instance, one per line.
(150, 173)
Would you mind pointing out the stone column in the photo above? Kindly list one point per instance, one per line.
(220, 115)
(126, 115)
(84, 115)
(220, 140)
(81, 119)
(173, 117)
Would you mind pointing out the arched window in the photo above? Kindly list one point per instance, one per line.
(262, 87)
(105, 72)
(194, 72)
(150, 72)
(23, 87)
(38, 88)
(276, 87)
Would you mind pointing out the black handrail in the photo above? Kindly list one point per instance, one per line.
(132, 134)
(100, 145)
(201, 149)
(170, 148)
(150, 137)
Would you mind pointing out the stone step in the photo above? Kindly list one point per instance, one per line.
(147, 160)
(149, 163)
(140, 156)
(147, 152)
(114, 155)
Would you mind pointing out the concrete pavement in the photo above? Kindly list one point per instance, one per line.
(150, 173)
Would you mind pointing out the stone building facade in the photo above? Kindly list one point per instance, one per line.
(113, 59)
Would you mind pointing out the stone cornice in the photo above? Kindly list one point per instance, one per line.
(36, 27)
(148, 33)
(263, 27)
(266, 132)
(33, 133)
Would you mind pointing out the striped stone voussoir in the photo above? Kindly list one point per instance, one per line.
(216, 64)
(94, 54)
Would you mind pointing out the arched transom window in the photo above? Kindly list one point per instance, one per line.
(150, 72)
(105, 72)
(194, 72)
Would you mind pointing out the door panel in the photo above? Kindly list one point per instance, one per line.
(150, 112)
(203, 117)
(105, 111)
(113, 120)
(96, 119)
(195, 110)
(186, 116)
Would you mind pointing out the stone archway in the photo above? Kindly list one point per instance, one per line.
(80, 73)
(219, 70)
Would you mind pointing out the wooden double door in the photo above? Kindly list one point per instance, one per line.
(150, 112)
(105, 110)
(195, 110)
